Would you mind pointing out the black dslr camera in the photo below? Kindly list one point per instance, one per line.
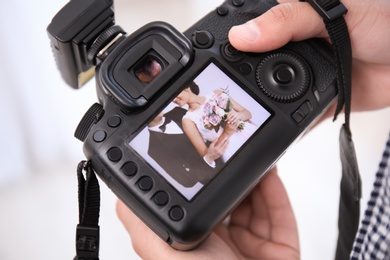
(168, 178)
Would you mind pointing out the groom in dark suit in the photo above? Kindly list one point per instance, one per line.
(174, 152)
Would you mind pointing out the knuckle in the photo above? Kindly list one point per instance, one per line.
(281, 13)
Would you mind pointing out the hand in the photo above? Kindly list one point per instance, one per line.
(231, 128)
(249, 235)
(216, 149)
(262, 227)
(233, 117)
(368, 22)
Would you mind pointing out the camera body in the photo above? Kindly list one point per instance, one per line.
(137, 78)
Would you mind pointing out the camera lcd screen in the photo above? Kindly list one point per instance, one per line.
(200, 131)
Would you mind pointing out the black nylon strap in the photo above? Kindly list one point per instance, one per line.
(332, 12)
(350, 193)
(350, 186)
(87, 236)
(338, 33)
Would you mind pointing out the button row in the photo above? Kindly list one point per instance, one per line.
(130, 169)
(161, 198)
(146, 183)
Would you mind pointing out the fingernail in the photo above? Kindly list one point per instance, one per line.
(248, 32)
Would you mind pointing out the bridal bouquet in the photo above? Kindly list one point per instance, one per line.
(215, 112)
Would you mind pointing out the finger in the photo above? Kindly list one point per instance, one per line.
(365, 97)
(241, 216)
(142, 237)
(244, 214)
(233, 121)
(232, 118)
(293, 21)
(270, 222)
(272, 193)
(149, 246)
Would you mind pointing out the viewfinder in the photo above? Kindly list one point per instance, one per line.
(148, 69)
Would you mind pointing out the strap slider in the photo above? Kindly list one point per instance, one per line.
(87, 242)
(331, 12)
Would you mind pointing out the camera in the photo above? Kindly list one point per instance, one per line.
(192, 83)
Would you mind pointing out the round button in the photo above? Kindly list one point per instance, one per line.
(130, 169)
(203, 39)
(161, 198)
(238, 2)
(114, 154)
(176, 213)
(230, 50)
(99, 136)
(246, 68)
(284, 74)
(230, 53)
(114, 121)
(222, 10)
(146, 183)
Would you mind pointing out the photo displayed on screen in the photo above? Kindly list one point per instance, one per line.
(194, 137)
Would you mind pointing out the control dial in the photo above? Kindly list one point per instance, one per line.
(283, 76)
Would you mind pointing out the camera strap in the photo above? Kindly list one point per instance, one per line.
(332, 11)
(87, 235)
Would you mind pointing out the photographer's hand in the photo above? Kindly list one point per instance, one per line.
(368, 22)
(262, 227)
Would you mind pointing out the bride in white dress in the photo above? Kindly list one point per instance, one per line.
(225, 135)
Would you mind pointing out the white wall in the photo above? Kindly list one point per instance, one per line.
(38, 189)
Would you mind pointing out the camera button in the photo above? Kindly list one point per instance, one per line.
(230, 50)
(130, 169)
(222, 10)
(176, 213)
(203, 39)
(302, 112)
(284, 74)
(99, 136)
(246, 68)
(161, 198)
(230, 53)
(145, 183)
(238, 2)
(114, 154)
(114, 121)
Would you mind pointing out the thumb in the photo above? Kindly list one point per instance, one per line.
(293, 21)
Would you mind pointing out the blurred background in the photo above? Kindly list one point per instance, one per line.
(38, 185)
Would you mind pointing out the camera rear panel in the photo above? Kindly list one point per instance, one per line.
(285, 90)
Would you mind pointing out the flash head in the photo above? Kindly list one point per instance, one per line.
(72, 32)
